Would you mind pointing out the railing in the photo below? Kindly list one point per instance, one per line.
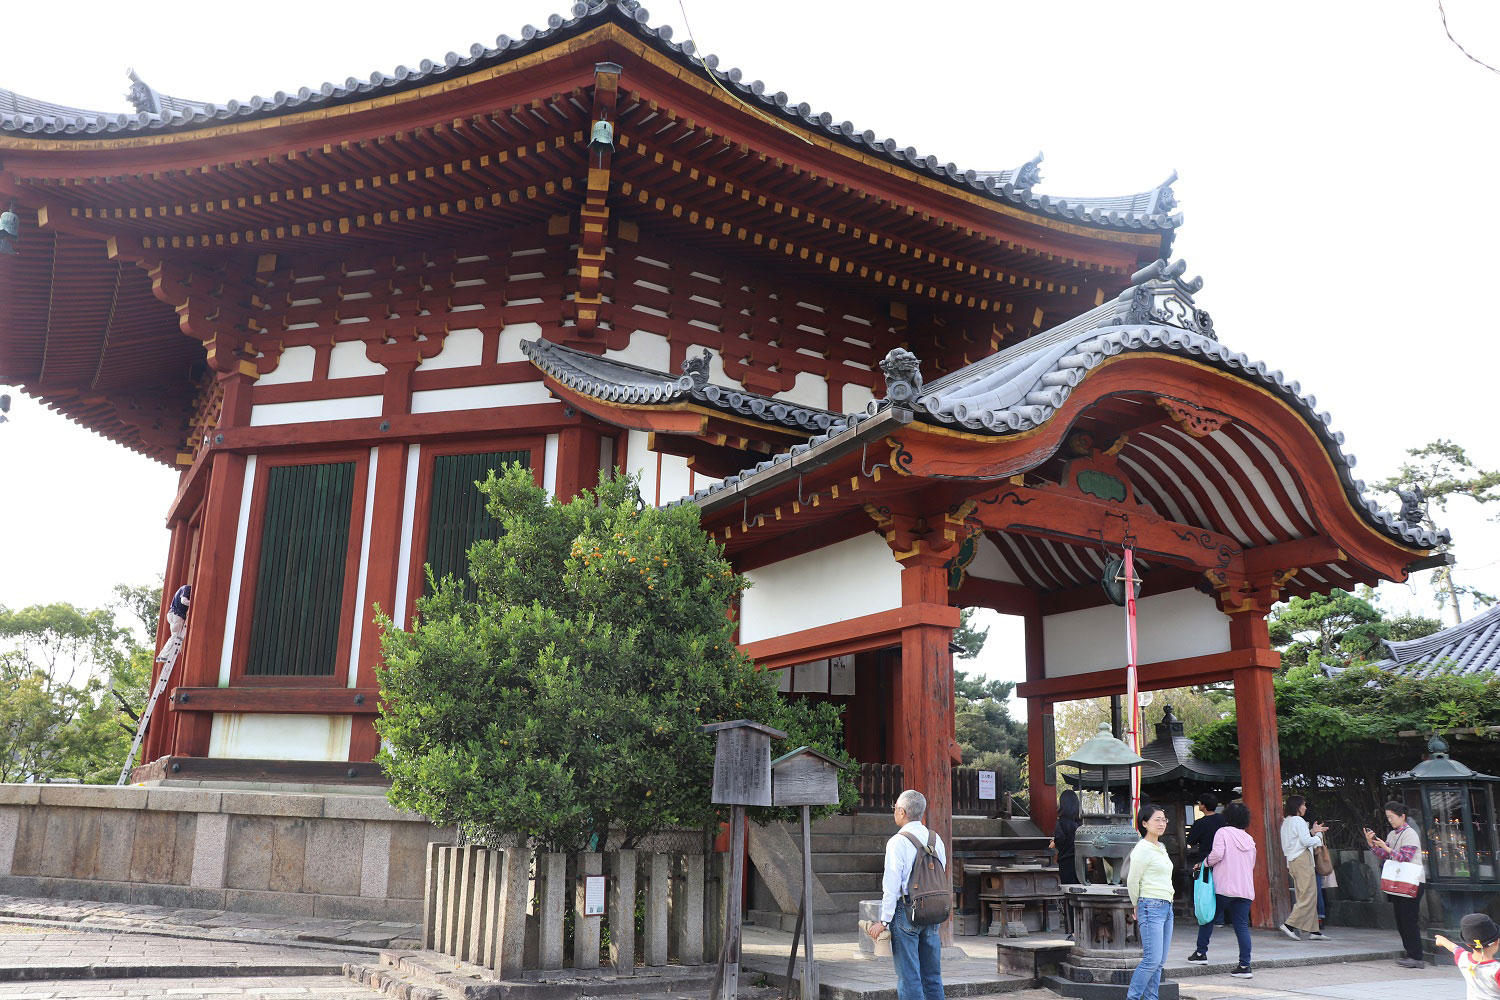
(507, 909)
(879, 784)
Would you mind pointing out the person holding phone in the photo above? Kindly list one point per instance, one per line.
(1297, 842)
(1403, 845)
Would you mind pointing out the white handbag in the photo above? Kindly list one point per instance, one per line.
(1400, 878)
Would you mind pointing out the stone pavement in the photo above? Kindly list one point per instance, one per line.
(369, 935)
(255, 988)
(846, 976)
(1338, 981)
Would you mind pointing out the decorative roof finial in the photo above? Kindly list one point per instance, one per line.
(1164, 199)
(903, 376)
(1413, 508)
(1437, 746)
(1029, 174)
(142, 96)
(697, 368)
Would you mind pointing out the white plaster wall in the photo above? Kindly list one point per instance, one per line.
(641, 461)
(549, 464)
(649, 350)
(479, 397)
(280, 737)
(511, 337)
(408, 519)
(989, 563)
(237, 572)
(348, 360)
(310, 410)
(1168, 627)
(674, 478)
(856, 398)
(461, 349)
(858, 576)
(296, 365)
(810, 390)
(360, 612)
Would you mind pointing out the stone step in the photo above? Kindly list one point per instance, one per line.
(425, 976)
(849, 901)
(865, 882)
(840, 843)
(840, 862)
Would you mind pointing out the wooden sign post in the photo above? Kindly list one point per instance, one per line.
(742, 777)
(805, 777)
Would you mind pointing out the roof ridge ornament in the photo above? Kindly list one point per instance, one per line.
(903, 377)
(1413, 505)
(696, 369)
(142, 95)
(1159, 296)
(1029, 174)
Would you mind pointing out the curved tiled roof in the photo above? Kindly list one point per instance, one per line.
(1151, 210)
(620, 382)
(1022, 387)
(1472, 648)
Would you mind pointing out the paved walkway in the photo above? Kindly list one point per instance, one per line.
(1381, 980)
(369, 935)
(264, 988)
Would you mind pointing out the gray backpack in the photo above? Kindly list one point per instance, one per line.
(929, 893)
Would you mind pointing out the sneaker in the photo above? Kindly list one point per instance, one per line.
(1318, 936)
(1410, 963)
(1198, 956)
(1291, 932)
(1242, 972)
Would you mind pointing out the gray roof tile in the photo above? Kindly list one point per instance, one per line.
(621, 382)
(156, 112)
(1470, 649)
(1022, 387)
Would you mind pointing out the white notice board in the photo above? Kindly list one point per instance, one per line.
(986, 784)
(593, 895)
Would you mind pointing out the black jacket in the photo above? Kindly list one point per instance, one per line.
(1200, 838)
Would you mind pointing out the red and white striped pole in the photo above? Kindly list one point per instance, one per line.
(1132, 684)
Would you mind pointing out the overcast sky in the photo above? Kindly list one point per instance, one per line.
(1338, 170)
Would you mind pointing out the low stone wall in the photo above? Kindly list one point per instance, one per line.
(295, 854)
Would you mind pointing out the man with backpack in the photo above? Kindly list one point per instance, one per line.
(916, 898)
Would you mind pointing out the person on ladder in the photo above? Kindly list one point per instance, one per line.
(177, 613)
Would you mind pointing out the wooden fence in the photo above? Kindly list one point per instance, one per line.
(880, 784)
(506, 910)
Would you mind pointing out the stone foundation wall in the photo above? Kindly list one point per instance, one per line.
(296, 854)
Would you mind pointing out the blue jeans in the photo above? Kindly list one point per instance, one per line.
(1154, 917)
(918, 953)
(1234, 910)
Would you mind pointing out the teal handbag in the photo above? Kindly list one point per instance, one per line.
(1205, 903)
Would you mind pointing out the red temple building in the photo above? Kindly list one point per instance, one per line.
(894, 387)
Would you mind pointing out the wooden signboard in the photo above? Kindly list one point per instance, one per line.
(805, 777)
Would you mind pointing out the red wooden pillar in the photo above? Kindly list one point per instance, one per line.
(924, 693)
(1260, 763)
(200, 657)
(1041, 796)
(198, 664)
(577, 461)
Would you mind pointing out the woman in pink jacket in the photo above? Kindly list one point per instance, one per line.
(1233, 862)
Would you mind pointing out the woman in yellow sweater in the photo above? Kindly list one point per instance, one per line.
(1149, 881)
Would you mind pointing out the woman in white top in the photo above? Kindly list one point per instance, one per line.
(1297, 842)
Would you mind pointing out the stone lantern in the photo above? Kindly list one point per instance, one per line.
(1453, 807)
(1105, 948)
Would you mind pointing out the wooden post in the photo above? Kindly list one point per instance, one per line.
(809, 967)
(925, 692)
(729, 982)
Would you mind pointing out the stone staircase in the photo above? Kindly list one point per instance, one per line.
(848, 860)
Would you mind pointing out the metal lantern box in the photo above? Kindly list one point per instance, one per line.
(742, 762)
(805, 777)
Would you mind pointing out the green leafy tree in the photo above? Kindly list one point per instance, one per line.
(71, 684)
(1443, 471)
(1339, 629)
(563, 703)
(968, 637)
(989, 738)
(1340, 736)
